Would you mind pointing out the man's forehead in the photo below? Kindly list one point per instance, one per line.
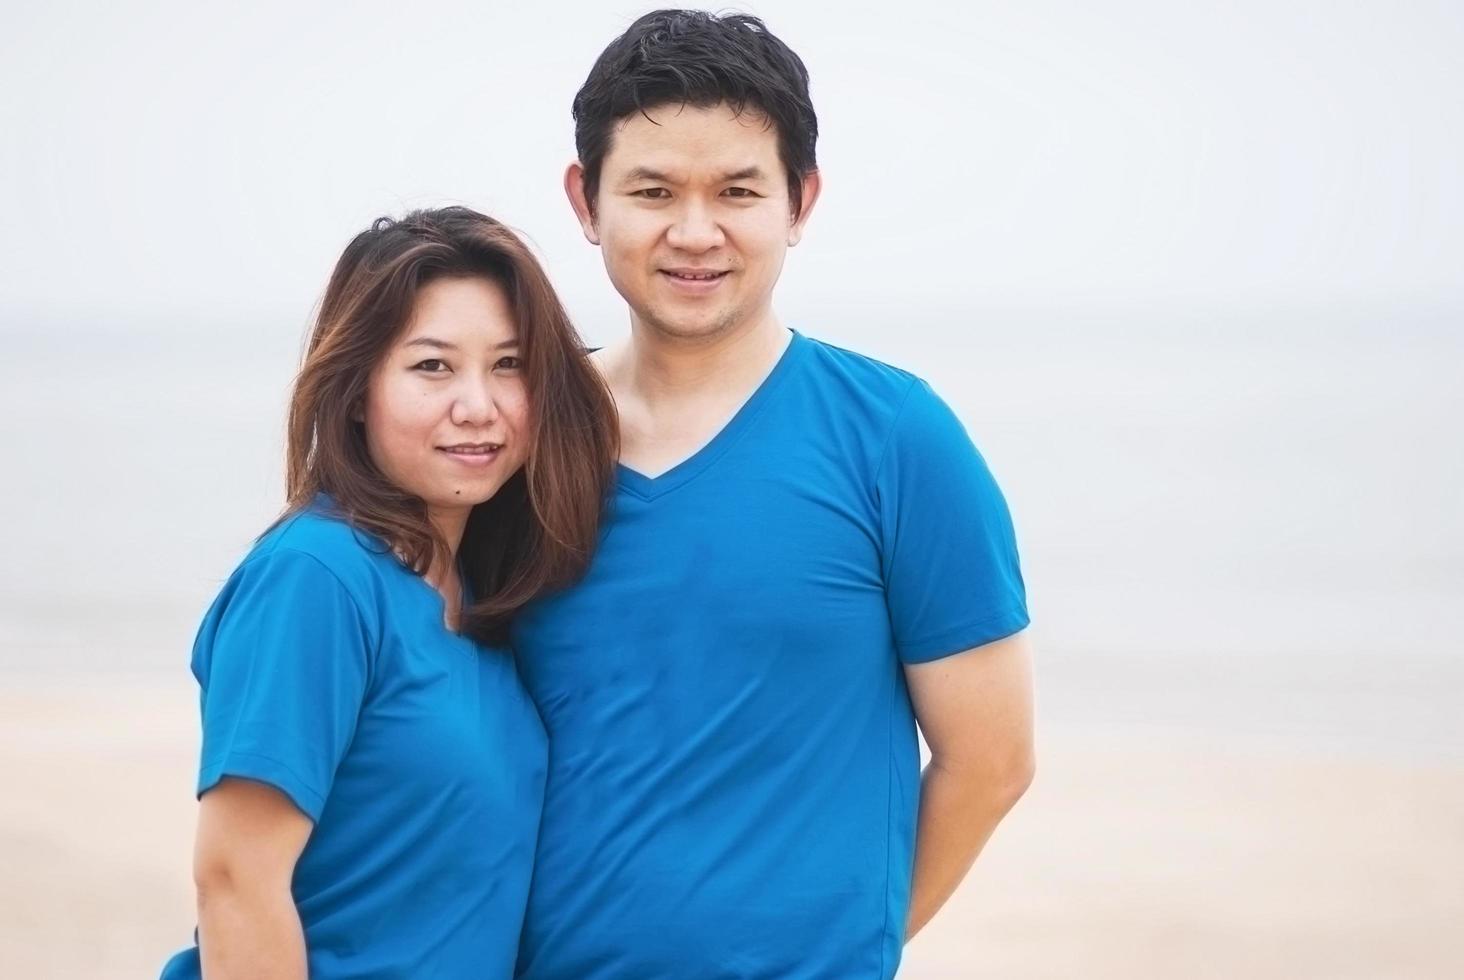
(681, 140)
(679, 172)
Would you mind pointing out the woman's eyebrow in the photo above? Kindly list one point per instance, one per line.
(436, 344)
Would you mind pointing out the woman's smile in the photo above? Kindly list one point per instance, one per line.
(477, 454)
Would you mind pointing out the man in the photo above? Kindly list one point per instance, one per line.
(805, 555)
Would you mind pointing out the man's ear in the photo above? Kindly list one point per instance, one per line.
(812, 186)
(574, 188)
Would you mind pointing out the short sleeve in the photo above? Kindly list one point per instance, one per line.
(951, 573)
(282, 660)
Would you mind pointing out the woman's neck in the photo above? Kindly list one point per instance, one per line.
(443, 573)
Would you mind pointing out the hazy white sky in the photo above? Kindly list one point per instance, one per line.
(172, 164)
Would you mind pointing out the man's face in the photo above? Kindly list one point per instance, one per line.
(693, 218)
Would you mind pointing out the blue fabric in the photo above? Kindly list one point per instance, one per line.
(734, 771)
(326, 671)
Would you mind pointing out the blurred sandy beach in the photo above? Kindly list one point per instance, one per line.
(1132, 857)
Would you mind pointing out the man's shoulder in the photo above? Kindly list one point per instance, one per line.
(894, 406)
(860, 376)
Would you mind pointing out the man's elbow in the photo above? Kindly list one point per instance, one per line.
(1017, 775)
(992, 781)
(1009, 775)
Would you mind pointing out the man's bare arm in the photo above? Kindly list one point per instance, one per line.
(975, 711)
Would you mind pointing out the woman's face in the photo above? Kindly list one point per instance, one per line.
(446, 413)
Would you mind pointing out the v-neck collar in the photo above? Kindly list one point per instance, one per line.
(650, 487)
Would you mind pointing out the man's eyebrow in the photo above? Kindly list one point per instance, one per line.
(646, 173)
(746, 173)
(753, 172)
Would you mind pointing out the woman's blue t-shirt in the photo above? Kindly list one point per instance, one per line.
(326, 672)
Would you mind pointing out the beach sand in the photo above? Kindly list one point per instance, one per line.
(1135, 854)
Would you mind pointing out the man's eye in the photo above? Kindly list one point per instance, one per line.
(653, 193)
(740, 192)
(508, 364)
(433, 365)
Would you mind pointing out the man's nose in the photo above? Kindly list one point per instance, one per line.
(696, 229)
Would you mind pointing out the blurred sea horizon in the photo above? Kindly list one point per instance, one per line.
(1245, 523)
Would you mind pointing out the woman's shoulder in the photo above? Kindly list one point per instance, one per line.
(310, 581)
(318, 535)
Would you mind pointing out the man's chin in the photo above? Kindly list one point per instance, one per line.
(703, 325)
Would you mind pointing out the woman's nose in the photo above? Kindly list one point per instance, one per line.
(475, 404)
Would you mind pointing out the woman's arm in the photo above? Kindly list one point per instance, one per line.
(249, 837)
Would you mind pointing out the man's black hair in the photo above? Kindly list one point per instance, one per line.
(691, 57)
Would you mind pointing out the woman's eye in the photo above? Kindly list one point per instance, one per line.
(433, 365)
(507, 364)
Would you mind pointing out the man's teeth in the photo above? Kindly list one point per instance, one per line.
(688, 275)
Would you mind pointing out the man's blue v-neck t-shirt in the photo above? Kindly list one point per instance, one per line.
(734, 771)
(326, 672)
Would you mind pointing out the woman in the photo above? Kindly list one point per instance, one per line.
(372, 771)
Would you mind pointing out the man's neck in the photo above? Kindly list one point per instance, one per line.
(658, 368)
(673, 396)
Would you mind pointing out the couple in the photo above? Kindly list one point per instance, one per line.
(568, 667)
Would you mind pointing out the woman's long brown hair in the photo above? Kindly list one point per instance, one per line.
(539, 531)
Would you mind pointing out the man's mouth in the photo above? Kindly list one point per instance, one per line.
(694, 275)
